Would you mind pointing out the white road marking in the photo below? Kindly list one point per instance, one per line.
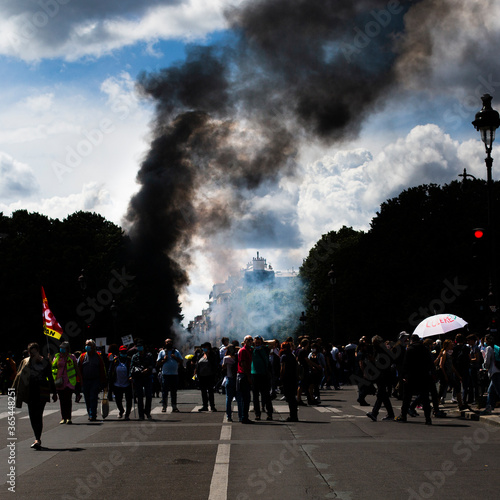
(220, 476)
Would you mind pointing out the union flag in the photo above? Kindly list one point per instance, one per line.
(51, 327)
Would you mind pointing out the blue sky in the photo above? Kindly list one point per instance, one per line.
(69, 71)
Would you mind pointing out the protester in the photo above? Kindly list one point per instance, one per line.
(119, 379)
(261, 378)
(382, 378)
(169, 360)
(461, 362)
(67, 379)
(206, 372)
(476, 362)
(33, 384)
(244, 380)
(141, 371)
(449, 374)
(93, 374)
(492, 364)
(417, 377)
(289, 380)
(230, 366)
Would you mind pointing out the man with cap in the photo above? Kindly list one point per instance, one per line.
(119, 379)
(169, 360)
(141, 371)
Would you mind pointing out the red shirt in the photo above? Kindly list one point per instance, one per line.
(245, 360)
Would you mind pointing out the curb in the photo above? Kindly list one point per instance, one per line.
(471, 415)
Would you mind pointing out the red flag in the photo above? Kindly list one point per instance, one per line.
(51, 327)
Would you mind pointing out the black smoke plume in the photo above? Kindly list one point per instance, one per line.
(232, 117)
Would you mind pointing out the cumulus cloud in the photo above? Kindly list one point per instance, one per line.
(16, 179)
(72, 29)
(347, 188)
(92, 198)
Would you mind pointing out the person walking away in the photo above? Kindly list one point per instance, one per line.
(476, 362)
(461, 362)
(289, 380)
(169, 360)
(230, 366)
(93, 374)
(449, 374)
(34, 384)
(141, 371)
(244, 380)
(206, 371)
(119, 379)
(67, 379)
(417, 376)
(492, 364)
(382, 379)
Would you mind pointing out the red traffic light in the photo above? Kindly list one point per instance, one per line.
(478, 234)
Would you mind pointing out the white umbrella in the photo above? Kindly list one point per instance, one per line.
(439, 324)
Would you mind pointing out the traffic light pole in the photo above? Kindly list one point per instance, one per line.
(491, 235)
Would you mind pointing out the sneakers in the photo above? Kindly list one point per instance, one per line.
(292, 419)
(371, 416)
(63, 421)
(486, 411)
(412, 413)
(362, 402)
(69, 422)
(400, 419)
(428, 422)
(164, 410)
(269, 417)
(203, 408)
(214, 409)
(389, 418)
(175, 410)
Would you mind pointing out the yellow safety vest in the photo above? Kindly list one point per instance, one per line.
(70, 369)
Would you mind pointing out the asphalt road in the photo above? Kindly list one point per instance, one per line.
(335, 451)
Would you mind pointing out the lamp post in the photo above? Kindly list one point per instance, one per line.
(303, 319)
(114, 314)
(486, 122)
(315, 308)
(333, 280)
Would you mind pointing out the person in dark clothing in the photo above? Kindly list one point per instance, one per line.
(417, 376)
(33, 385)
(141, 371)
(289, 380)
(382, 379)
(206, 370)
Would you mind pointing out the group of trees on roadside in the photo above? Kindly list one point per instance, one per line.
(86, 266)
(417, 259)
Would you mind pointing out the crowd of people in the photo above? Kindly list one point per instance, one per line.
(420, 373)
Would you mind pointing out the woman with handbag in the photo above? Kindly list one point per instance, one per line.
(67, 380)
(33, 385)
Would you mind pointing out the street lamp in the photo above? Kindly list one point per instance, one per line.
(303, 319)
(114, 314)
(315, 308)
(486, 122)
